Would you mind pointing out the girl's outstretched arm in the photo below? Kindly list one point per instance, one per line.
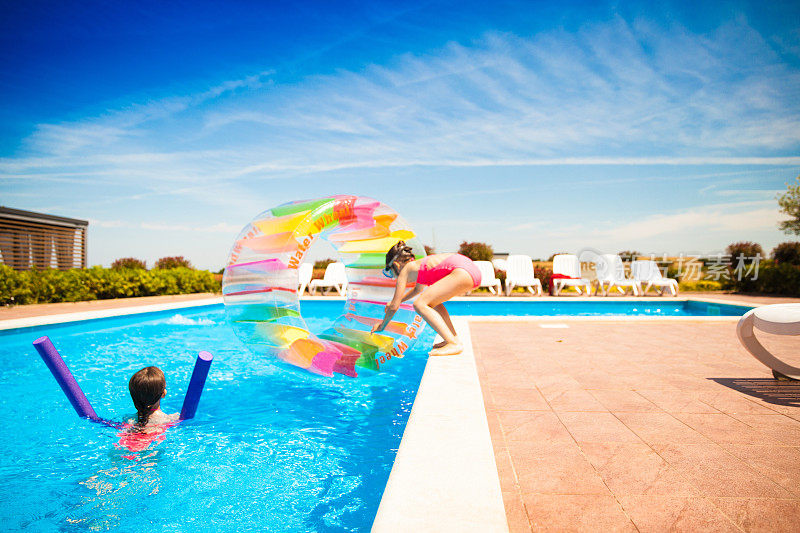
(397, 299)
(412, 292)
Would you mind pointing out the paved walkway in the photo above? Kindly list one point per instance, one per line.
(26, 311)
(625, 426)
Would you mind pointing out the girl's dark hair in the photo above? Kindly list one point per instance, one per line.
(399, 252)
(146, 387)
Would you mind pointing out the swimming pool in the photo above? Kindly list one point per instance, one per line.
(599, 307)
(272, 448)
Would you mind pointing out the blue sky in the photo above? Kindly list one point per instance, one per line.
(537, 127)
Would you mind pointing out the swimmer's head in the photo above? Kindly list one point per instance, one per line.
(397, 256)
(147, 387)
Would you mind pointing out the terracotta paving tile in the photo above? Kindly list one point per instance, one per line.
(525, 399)
(515, 513)
(656, 428)
(724, 428)
(673, 401)
(533, 426)
(553, 384)
(549, 512)
(718, 473)
(505, 470)
(510, 379)
(624, 401)
(597, 427)
(762, 514)
(780, 428)
(779, 463)
(574, 400)
(670, 513)
(554, 468)
(733, 402)
(495, 429)
(674, 421)
(628, 468)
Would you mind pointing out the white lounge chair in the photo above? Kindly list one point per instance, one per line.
(488, 279)
(335, 277)
(778, 319)
(304, 274)
(499, 264)
(568, 265)
(519, 273)
(611, 271)
(648, 274)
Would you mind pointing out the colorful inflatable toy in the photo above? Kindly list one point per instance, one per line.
(261, 282)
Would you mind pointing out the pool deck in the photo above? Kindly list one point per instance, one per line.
(582, 425)
(621, 425)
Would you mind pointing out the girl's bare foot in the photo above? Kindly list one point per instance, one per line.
(447, 349)
(439, 345)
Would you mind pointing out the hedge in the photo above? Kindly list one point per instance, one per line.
(780, 279)
(97, 283)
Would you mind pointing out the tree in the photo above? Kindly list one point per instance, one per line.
(789, 203)
(746, 249)
(787, 252)
(128, 263)
(477, 251)
(177, 261)
(629, 255)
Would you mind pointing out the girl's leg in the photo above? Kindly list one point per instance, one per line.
(456, 283)
(442, 310)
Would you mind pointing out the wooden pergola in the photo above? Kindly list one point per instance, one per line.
(29, 239)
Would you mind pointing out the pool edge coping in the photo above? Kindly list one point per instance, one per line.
(445, 470)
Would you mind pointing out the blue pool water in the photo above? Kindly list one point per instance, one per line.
(272, 447)
(600, 307)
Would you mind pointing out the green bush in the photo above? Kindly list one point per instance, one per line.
(178, 261)
(477, 251)
(780, 279)
(787, 252)
(128, 263)
(97, 283)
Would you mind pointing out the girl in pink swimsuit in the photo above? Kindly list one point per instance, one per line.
(436, 278)
(147, 387)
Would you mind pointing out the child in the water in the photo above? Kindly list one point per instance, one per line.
(147, 387)
(438, 278)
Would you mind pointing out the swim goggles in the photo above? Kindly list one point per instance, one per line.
(388, 272)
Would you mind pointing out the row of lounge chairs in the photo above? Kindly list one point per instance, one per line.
(645, 274)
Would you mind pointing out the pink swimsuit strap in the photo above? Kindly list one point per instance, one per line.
(429, 276)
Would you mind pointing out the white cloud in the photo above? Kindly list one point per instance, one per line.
(610, 94)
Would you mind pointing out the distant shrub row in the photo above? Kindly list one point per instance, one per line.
(773, 278)
(97, 283)
(131, 263)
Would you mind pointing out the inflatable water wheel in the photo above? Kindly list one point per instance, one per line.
(260, 285)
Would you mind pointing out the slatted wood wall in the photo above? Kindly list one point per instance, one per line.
(33, 242)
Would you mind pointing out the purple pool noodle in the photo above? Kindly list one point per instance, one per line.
(63, 376)
(196, 384)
